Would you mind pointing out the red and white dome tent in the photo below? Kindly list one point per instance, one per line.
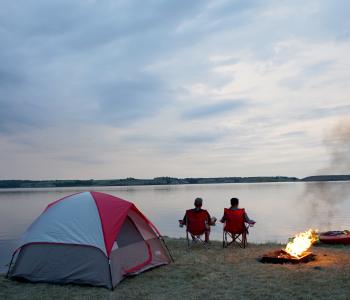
(88, 238)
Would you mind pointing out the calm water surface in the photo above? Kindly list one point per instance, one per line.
(280, 209)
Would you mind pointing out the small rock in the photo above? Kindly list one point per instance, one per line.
(318, 268)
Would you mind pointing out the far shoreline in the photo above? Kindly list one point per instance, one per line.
(163, 181)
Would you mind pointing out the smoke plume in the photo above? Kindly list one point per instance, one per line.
(324, 198)
(338, 144)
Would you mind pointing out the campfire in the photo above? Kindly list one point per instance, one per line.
(301, 243)
(296, 250)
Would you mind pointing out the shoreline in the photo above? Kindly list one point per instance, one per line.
(164, 181)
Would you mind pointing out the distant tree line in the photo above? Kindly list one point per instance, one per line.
(162, 181)
(327, 178)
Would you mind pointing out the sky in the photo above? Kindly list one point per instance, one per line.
(115, 89)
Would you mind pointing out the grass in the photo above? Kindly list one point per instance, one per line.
(214, 273)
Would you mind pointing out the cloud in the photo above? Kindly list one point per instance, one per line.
(212, 110)
(165, 86)
(309, 74)
(16, 115)
(83, 60)
(124, 101)
(10, 79)
(326, 112)
(199, 138)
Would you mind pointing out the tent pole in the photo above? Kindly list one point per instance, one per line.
(110, 273)
(166, 246)
(8, 271)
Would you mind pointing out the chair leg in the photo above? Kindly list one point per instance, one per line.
(242, 241)
(188, 241)
(245, 240)
(226, 239)
(229, 236)
(238, 239)
(195, 239)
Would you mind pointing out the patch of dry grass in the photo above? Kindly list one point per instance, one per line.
(214, 273)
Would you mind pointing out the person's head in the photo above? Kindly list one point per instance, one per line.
(234, 202)
(198, 202)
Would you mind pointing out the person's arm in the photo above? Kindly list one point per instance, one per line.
(223, 219)
(184, 220)
(247, 220)
(208, 218)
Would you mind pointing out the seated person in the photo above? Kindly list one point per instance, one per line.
(198, 202)
(234, 206)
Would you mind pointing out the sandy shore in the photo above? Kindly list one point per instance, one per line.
(214, 273)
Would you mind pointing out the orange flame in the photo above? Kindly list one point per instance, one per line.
(301, 243)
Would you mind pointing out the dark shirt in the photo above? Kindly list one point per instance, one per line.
(196, 210)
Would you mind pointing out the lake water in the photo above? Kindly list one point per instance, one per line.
(280, 209)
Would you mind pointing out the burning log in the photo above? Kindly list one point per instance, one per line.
(296, 250)
(282, 257)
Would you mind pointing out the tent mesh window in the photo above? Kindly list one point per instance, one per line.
(128, 234)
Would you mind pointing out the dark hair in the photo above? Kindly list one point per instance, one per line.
(198, 202)
(234, 201)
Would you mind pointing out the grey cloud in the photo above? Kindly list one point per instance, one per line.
(83, 159)
(10, 79)
(55, 45)
(32, 105)
(39, 18)
(62, 47)
(199, 138)
(323, 112)
(66, 63)
(306, 76)
(123, 101)
(87, 24)
(318, 68)
(177, 141)
(19, 116)
(292, 134)
(212, 110)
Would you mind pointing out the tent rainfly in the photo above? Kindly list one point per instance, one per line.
(88, 238)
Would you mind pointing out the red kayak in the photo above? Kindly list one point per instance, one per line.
(335, 237)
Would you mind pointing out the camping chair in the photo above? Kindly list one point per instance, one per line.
(196, 226)
(235, 230)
